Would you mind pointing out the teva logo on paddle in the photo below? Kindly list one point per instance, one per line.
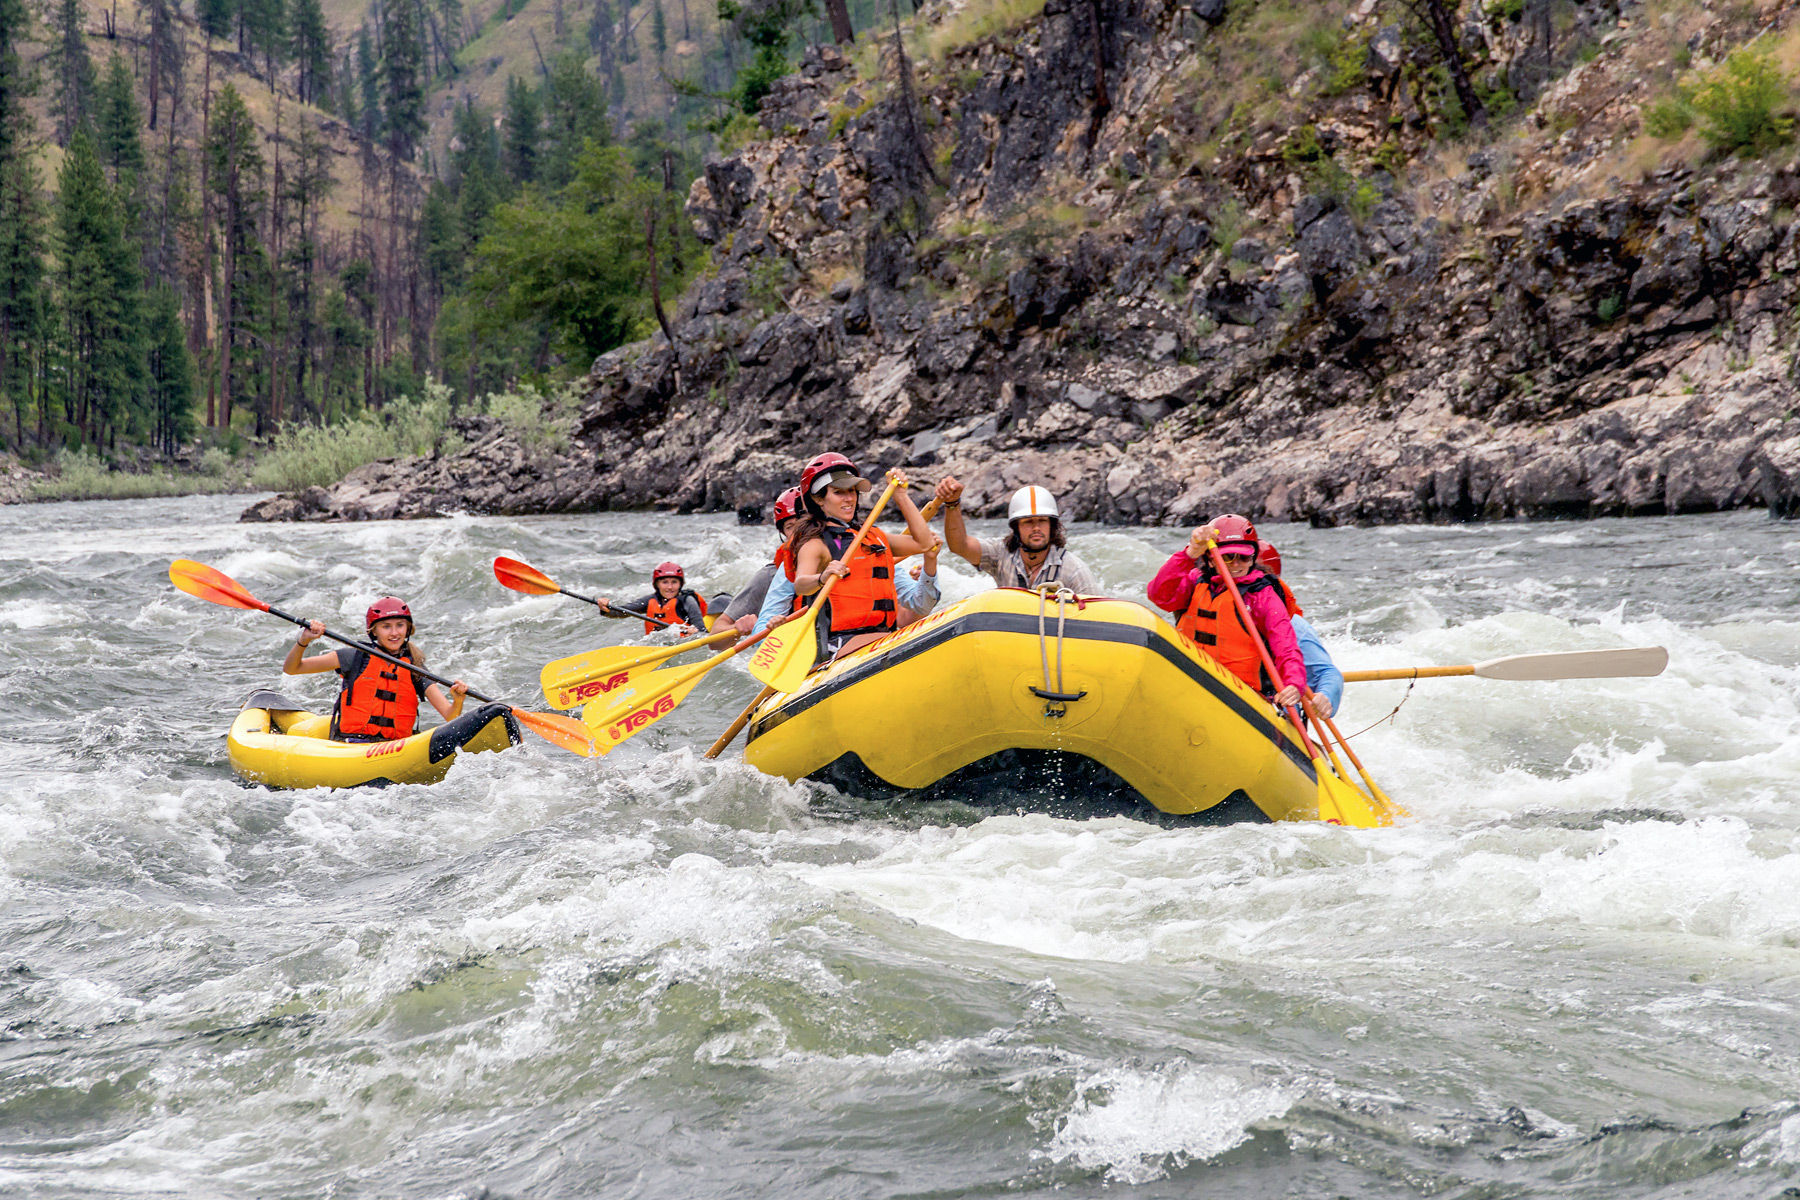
(595, 687)
(384, 748)
(633, 721)
(765, 653)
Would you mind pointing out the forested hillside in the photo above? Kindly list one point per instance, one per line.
(240, 216)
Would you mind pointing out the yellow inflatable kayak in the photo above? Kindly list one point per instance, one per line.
(975, 689)
(276, 742)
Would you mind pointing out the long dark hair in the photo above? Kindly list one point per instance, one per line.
(1057, 537)
(809, 524)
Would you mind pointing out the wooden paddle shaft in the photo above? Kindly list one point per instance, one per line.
(818, 597)
(743, 719)
(1406, 673)
(378, 652)
(1256, 636)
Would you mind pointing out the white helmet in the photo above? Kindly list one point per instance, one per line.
(1031, 501)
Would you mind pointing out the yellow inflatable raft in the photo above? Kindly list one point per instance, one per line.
(975, 689)
(276, 742)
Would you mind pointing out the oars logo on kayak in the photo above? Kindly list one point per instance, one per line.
(568, 698)
(631, 722)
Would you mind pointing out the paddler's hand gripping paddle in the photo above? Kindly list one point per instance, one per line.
(198, 579)
(1340, 801)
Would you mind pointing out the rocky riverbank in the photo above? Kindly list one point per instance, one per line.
(1332, 312)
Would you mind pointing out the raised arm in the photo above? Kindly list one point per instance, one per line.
(918, 537)
(956, 536)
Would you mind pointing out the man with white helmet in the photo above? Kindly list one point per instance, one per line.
(1031, 555)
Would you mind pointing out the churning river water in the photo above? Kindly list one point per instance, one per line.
(1572, 973)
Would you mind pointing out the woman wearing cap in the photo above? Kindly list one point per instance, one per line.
(375, 704)
(863, 605)
(672, 601)
(1033, 552)
(1188, 584)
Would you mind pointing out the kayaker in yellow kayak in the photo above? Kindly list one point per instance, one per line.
(672, 600)
(375, 704)
(865, 605)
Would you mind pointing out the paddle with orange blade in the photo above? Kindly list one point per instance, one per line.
(198, 579)
(523, 577)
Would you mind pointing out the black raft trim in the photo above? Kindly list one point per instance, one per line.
(1089, 631)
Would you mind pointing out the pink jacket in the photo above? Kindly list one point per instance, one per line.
(1173, 588)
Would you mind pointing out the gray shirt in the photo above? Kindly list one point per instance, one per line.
(749, 599)
(1008, 568)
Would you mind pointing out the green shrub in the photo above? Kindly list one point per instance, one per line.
(1228, 224)
(537, 421)
(1669, 119)
(1609, 309)
(1741, 104)
(304, 456)
(83, 475)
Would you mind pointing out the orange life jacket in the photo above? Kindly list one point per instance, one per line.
(670, 610)
(1215, 624)
(377, 699)
(863, 601)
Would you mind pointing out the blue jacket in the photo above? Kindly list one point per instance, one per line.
(920, 595)
(1322, 675)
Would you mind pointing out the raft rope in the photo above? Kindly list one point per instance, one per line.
(1057, 700)
(1404, 697)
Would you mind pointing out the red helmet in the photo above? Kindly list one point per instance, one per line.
(388, 606)
(830, 466)
(664, 570)
(1268, 557)
(787, 506)
(1236, 531)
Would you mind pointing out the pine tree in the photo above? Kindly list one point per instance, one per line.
(370, 82)
(264, 30)
(97, 292)
(574, 114)
(74, 96)
(22, 309)
(311, 52)
(659, 31)
(121, 145)
(524, 130)
(234, 166)
(216, 17)
(402, 77)
(307, 187)
(21, 223)
(170, 371)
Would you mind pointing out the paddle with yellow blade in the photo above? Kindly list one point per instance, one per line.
(523, 577)
(642, 704)
(573, 681)
(207, 583)
(784, 661)
(1340, 801)
(1628, 663)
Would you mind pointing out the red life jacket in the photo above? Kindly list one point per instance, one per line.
(1213, 621)
(864, 601)
(670, 610)
(377, 699)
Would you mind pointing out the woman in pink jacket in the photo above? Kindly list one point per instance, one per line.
(1188, 585)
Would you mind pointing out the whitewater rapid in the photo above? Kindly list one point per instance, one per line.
(1571, 973)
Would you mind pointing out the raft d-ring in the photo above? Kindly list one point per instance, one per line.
(1058, 699)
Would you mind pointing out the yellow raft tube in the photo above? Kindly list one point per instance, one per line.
(965, 690)
(276, 742)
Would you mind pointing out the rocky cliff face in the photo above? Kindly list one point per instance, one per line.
(1074, 265)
